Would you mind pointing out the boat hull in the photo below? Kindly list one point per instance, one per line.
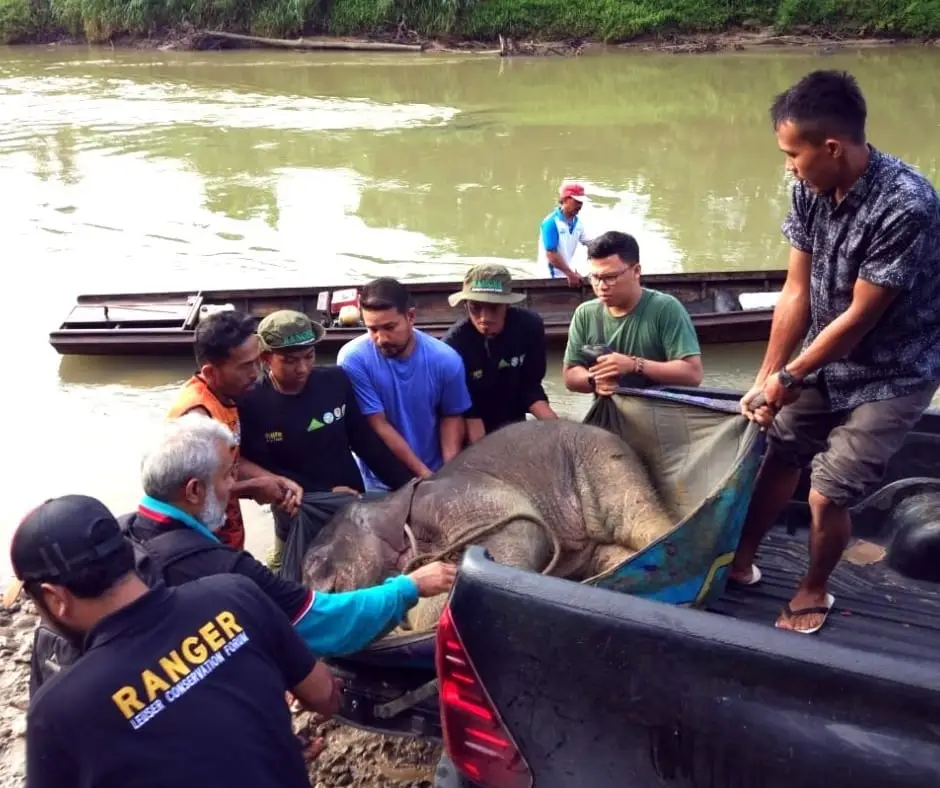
(163, 324)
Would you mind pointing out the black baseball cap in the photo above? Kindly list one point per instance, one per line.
(60, 538)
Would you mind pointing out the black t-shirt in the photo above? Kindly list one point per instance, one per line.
(504, 373)
(310, 436)
(184, 688)
(196, 556)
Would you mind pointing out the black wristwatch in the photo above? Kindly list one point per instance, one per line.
(787, 380)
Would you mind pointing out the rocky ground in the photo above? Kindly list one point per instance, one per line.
(351, 757)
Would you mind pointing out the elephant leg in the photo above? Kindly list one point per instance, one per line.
(608, 556)
(520, 543)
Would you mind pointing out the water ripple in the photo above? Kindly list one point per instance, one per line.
(120, 106)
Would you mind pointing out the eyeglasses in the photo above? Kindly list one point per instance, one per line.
(607, 279)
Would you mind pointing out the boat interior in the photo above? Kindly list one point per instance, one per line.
(555, 301)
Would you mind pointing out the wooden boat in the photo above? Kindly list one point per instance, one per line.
(725, 307)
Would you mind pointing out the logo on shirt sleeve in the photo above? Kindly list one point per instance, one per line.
(181, 670)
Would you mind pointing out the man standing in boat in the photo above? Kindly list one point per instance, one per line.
(561, 232)
(629, 335)
(409, 385)
(228, 354)
(303, 422)
(503, 352)
(863, 295)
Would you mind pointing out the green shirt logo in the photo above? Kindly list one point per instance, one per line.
(314, 424)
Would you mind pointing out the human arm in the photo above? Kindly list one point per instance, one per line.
(333, 624)
(453, 430)
(792, 311)
(681, 360)
(675, 372)
(263, 487)
(455, 403)
(549, 233)
(398, 445)
(370, 447)
(476, 429)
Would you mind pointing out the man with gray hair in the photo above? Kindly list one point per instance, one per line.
(187, 476)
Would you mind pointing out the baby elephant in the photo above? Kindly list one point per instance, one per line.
(561, 497)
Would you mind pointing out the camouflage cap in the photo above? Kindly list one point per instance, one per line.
(286, 329)
(489, 283)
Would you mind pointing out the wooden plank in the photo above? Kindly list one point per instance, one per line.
(129, 314)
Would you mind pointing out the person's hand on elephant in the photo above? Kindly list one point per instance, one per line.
(435, 578)
(342, 488)
(612, 365)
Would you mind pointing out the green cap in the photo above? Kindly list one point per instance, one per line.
(489, 283)
(286, 329)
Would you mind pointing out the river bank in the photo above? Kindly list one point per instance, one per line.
(689, 25)
(351, 757)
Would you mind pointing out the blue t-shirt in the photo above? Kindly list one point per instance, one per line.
(414, 393)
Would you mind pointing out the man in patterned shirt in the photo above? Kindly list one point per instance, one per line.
(863, 293)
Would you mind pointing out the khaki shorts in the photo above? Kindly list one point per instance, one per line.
(849, 449)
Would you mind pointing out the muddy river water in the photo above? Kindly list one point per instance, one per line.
(132, 170)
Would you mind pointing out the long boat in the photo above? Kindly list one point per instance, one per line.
(735, 306)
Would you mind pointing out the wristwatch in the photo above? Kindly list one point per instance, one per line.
(787, 380)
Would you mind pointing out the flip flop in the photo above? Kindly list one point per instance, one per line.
(789, 612)
(755, 577)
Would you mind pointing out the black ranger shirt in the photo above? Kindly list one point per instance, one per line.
(309, 437)
(505, 373)
(184, 687)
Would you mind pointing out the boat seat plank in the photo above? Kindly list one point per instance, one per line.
(168, 314)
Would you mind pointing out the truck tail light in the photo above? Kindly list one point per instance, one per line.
(474, 736)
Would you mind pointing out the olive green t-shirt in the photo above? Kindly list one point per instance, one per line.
(658, 329)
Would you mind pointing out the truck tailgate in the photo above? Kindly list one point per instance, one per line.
(610, 690)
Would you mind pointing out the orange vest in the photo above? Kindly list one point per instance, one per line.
(196, 394)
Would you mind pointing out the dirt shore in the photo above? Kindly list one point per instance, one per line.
(742, 39)
(352, 758)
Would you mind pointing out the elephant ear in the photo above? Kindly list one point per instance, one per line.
(387, 516)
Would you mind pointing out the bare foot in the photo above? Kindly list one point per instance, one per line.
(746, 576)
(806, 612)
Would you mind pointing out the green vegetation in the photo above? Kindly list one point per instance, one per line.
(609, 20)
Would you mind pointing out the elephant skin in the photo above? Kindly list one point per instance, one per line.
(579, 482)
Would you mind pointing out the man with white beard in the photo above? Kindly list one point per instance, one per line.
(187, 477)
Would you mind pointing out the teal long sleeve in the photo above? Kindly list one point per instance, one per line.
(347, 622)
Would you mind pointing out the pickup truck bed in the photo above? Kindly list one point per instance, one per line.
(605, 689)
(876, 609)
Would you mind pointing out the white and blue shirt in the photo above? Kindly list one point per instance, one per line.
(560, 235)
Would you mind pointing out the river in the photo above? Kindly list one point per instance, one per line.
(134, 170)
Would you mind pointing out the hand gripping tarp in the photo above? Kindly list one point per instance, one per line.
(703, 457)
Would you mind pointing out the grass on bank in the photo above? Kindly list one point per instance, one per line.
(24, 21)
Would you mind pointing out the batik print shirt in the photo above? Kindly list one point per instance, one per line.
(886, 231)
